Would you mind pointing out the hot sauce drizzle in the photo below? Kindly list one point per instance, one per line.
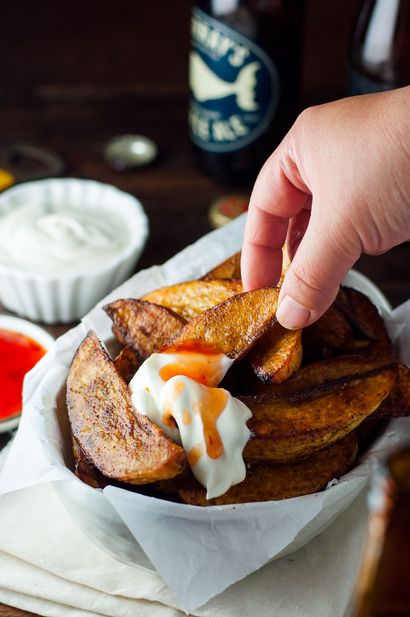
(18, 354)
(202, 367)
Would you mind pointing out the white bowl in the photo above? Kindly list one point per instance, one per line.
(14, 324)
(68, 296)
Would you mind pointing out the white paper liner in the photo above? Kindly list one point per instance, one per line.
(199, 552)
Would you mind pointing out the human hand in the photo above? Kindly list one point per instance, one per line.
(337, 186)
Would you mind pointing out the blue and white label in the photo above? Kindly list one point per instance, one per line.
(234, 85)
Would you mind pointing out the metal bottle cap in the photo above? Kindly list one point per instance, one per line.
(130, 151)
(226, 208)
(6, 179)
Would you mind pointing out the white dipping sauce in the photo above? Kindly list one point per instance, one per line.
(46, 238)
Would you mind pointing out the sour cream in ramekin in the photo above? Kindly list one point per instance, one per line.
(65, 243)
(43, 237)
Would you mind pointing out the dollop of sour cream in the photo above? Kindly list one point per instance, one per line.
(46, 238)
(178, 392)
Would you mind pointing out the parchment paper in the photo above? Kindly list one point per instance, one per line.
(199, 552)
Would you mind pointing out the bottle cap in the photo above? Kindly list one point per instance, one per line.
(6, 179)
(226, 208)
(130, 151)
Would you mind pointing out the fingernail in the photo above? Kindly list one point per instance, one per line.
(291, 314)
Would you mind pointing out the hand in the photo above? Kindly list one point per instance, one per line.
(337, 186)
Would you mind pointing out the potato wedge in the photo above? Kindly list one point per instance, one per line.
(323, 377)
(397, 404)
(272, 482)
(228, 269)
(143, 326)
(233, 326)
(85, 470)
(283, 430)
(127, 363)
(121, 443)
(331, 331)
(277, 355)
(369, 318)
(193, 298)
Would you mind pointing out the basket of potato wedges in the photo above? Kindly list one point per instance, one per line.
(318, 396)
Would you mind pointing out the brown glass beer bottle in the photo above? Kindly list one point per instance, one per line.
(383, 588)
(244, 79)
(380, 48)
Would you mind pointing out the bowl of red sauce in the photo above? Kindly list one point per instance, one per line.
(22, 345)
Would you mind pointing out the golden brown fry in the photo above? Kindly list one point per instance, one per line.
(277, 355)
(127, 363)
(284, 430)
(143, 326)
(228, 269)
(193, 298)
(120, 442)
(272, 482)
(233, 326)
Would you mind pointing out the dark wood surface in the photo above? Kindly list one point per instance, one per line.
(70, 103)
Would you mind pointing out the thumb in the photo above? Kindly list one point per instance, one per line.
(312, 281)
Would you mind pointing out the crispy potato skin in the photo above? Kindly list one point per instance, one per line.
(397, 404)
(85, 470)
(284, 430)
(277, 355)
(121, 443)
(143, 326)
(127, 363)
(273, 482)
(193, 298)
(233, 326)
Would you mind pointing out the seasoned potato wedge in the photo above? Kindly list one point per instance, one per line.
(397, 404)
(331, 331)
(85, 470)
(121, 443)
(228, 269)
(284, 430)
(272, 482)
(127, 363)
(143, 326)
(233, 326)
(193, 298)
(323, 377)
(370, 320)
(277, 355)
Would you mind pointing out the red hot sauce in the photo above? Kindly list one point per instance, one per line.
(18, 354)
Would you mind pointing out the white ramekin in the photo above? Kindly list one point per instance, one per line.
(36, 333)
(65, 297)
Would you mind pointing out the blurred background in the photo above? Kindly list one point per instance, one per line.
(75, 74)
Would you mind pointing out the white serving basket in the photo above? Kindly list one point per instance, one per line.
(178, 540)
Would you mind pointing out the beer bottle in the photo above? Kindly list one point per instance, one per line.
(380, 48)
(383, 588)
(244, 79)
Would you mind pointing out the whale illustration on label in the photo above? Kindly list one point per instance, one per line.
(234, 86)
(206, 85)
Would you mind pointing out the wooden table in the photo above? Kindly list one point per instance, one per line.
(174, 193)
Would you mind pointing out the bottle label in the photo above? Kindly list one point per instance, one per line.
(234, 86)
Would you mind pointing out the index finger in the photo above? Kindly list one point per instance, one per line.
(275, 199)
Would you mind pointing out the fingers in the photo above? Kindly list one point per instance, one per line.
(312, 281)
(275, 199)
